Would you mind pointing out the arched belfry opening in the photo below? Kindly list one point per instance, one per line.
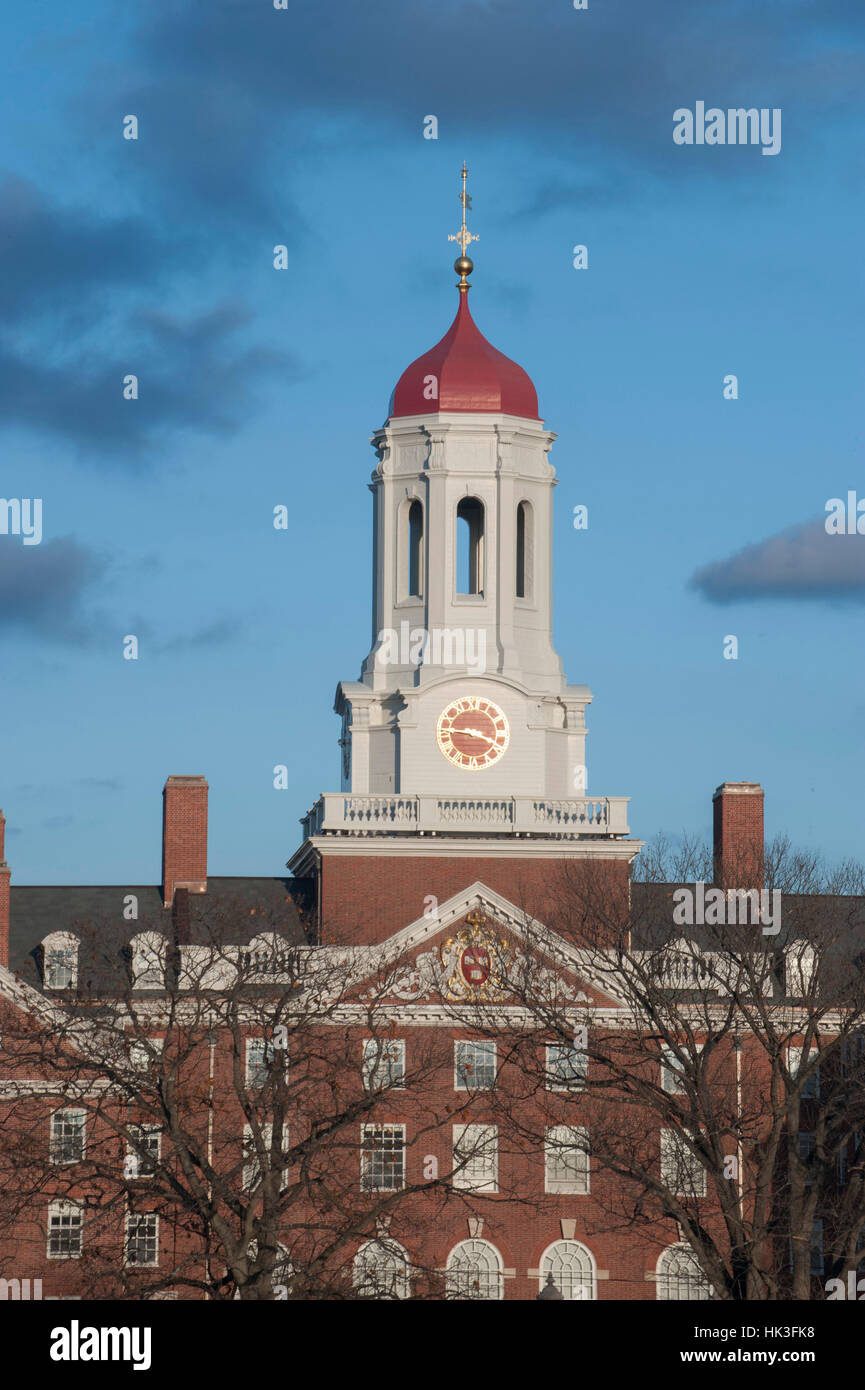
(470, 546)
(415, 550)
(525, 548)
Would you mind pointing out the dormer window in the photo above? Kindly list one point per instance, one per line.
(147, 955)
(60, 961)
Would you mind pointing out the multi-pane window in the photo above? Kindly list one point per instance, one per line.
(572, 1269)
(64, 1230)
(474, 1066)
(567, 1067)
(383, 1063)
(681, 1169)
(566, 1151)
(60, 961)
(143, 1156)
(476, 1158)
(382, 1158)
(258, 1056)
(67, 1136)
(474, 1270)
(147, 951)
(251, 1164)
(798, 1062)
(381, 1270)
(671, 1073)
(679, 1275)
(142, 1239)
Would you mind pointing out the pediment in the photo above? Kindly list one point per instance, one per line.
(480, 949)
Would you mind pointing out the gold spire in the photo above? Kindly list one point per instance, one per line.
(463, 265)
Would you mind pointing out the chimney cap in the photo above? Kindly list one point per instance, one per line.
(186, 777)
(737, 789)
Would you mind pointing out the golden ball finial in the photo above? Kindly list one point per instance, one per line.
(463, 266)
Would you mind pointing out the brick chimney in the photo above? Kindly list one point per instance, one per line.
(5, 876)
(738, 822)
(184, 836)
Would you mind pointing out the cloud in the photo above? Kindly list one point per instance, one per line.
(47, 250)
(191, 375)
(803, 562)
(43, 587)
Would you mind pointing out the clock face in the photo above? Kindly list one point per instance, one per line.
(472, 732)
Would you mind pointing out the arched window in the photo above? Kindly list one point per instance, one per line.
(381, 1270)
(572, 1266)
(60, 960)
(474, 1270)
(525, 549)
(679, 1275)
(470, 546)
(147, 960)
(415, 550)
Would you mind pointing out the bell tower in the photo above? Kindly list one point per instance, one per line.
(462, 721)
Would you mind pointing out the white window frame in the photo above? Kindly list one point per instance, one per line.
(475, 1257)
(395, 1260)
(60, 944)
(489, 1050)
(685, 1270)
(368, 1153)
(256, 1069)
(57, 1140)
(674, 1152)
(561, 1141)
(59, 1210)
(147, 960)
(146, 1132)
(583, 1287)
(141, 1216)
(558, 1083)
(383, 1064)
(476, 1158)
(251, 1168)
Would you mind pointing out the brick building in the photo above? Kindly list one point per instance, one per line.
(460, 881)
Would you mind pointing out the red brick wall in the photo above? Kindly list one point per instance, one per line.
(365, 898)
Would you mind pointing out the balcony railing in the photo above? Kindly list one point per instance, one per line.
(343, 814)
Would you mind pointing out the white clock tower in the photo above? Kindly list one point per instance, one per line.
(462, 719)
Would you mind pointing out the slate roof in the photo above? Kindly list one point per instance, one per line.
(233, 909)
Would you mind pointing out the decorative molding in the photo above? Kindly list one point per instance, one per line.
(569, 1228)
(476, 1227)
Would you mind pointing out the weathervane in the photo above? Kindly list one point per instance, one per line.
(463, 265)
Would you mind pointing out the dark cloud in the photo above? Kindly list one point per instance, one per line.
(191, 374)
(57, 259)
(227, 95)
(803, 562)
(43, 588)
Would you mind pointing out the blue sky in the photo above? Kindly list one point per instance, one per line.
(258, 387)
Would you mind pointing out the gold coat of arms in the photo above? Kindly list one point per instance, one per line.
(474, 963)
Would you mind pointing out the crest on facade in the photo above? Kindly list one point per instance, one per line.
(475, 963)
